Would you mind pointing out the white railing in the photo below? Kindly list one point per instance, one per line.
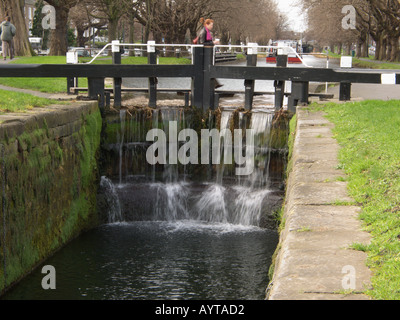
(151, 45)
(254, 48)
(251, 48)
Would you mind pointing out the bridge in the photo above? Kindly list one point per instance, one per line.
(203, 71)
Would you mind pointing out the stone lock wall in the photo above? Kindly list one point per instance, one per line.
(48, 183)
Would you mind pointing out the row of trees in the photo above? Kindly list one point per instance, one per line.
(172, 20)
(377, 20)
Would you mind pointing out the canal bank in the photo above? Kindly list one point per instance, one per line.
(314, 259)
(48, 173)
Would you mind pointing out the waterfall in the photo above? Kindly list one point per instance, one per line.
(261, 123)
(211, 206)
(113, 205)
(169, 192)
(171, 201)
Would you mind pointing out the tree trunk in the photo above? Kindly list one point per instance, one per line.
(394, 54)
(59, 43)
(378, 44)
(339, 48)
(348, 48)
(14, 9)
(132, 37)
(382, 51)
(359, 49)
(80, 38)
(112, 29)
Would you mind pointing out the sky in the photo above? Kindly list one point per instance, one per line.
(295, 15)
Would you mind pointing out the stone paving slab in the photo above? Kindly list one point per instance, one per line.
(314, 248)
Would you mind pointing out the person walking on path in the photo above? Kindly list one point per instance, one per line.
(205, 36)
(8, 31)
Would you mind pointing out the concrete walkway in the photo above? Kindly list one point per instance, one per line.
(370, 91)
(314, 259)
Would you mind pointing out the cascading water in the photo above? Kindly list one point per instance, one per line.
(112, 200)
(168, 192)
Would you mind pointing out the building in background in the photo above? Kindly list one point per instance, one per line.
(29, 11)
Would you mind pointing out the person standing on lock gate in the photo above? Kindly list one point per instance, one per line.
(206, 38)
(8, 31)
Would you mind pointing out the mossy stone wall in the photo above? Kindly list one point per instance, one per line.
(49, 178)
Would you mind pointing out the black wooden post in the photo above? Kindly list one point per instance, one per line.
(298, 95)
(198, 79)
(95, 88)
(152, 59)
(345, 91)
(281, 61)
(116, 59)
(249, 84)
(70, 84)
(209, 83)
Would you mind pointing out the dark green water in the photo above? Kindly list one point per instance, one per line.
(159, 260)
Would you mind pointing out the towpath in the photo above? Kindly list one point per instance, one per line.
(315, 261)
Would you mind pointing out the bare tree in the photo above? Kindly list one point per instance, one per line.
(112, 11)
(171, 19)
(378, 19)
(325, 24)
(59, 42)
(385, 28)
(81, 17)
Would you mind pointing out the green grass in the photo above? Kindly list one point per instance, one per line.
(49, 85)
(371, 63)
(369, 134)
(20, 102)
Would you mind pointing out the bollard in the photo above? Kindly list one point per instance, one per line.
(298, 95)
(345, 91)
(249, 84)
(95, 87)
(152, 59)
(117, 86)
(281, 61)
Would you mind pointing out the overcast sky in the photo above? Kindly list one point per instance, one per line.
(295, 15)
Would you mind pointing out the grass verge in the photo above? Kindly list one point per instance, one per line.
(21, 102)
(368, 63)
(368, 133)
